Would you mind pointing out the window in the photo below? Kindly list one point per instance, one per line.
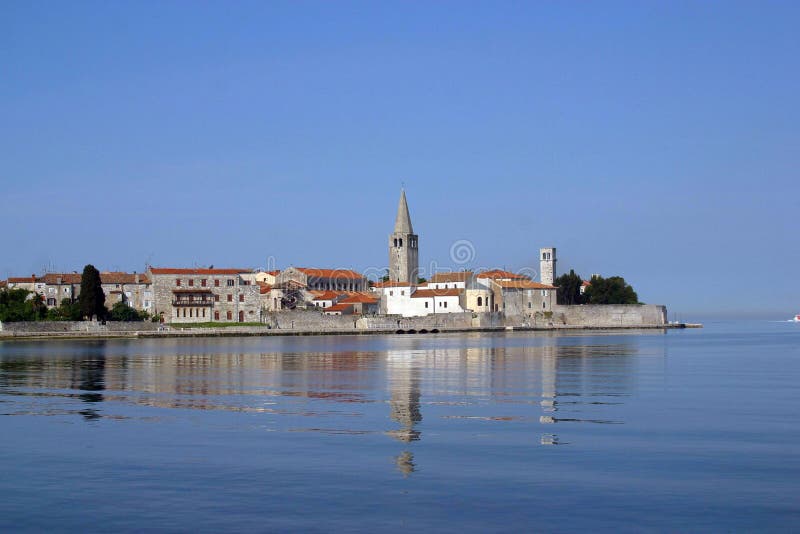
(216, 316)
(241, 297)
(178, 282)
(426, 303)
(51, 302)
(395, 241)
(216, 298)
(544, 292)
(128, 294)
(191, 282)
(400, 241)
(216, 282)
(230, 298)
(402, 293)
(391, 293)
(66, 290)
(445, 304)
(544, 305)
(230, 283)
(530, 304)
(229, 315)
(203, 282)
(204, 312)
(480, 301)
(190, 312)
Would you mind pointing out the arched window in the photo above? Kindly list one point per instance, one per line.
(480, 301)
(401, 241)
(395, 241)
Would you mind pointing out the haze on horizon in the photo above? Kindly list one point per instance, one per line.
(657, 141)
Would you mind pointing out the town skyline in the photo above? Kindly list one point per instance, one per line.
(226, 136)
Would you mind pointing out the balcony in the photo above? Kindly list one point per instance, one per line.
(192, 297)
(193, 302)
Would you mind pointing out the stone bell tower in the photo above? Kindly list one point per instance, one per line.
(403, 246)
(547, 265)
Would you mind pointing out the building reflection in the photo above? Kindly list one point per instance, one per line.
(404, 380)
(530, 380)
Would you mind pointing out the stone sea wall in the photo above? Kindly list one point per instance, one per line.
(315, 322)
(610, 316)
(89, 327)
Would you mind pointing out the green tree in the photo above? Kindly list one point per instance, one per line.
(21, 305)
(67, 311)
(612, 290)
(92, 299)
(569, 288)
(122, 312)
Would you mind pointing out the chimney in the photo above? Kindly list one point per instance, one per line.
(136, 277)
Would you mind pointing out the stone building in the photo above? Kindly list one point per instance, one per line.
(523, 298)
(204, 295)
(403, 246)
(131, 288)
(60, 286)
(547, 265)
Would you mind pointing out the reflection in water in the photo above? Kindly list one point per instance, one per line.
(404, 385)
(405, 463)
(474, 380)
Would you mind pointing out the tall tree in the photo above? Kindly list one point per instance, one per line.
(92, 298)
(611, 290)
(569, 288)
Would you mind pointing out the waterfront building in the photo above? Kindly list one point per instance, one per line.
(205, 295)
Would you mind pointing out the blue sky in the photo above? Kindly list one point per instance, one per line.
(654, 140)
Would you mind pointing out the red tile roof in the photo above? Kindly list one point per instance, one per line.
(428, 293)
(21, 280)
(586, 283)
(353, 298)
(496, 274)
(122, 278)
(66, 278)
(167, 270)
(439, 278)
(325, 295)
(522, 284)
(338, 307)
(330, 273)
(264, 288)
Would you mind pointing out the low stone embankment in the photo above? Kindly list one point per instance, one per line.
(311, 322)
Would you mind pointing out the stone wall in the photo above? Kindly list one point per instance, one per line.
(44, 327)
(599, 316)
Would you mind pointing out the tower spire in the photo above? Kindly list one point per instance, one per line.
(402, 224)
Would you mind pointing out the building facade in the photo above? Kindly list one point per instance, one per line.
(204, 295)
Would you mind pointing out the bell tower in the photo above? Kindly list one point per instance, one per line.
(547, 265)
(403, 246)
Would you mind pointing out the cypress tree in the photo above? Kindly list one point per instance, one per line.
(569, 288)
(92, 300)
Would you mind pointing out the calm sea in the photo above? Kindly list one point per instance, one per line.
(603, 431)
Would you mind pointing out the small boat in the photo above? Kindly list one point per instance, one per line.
(797, 318)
